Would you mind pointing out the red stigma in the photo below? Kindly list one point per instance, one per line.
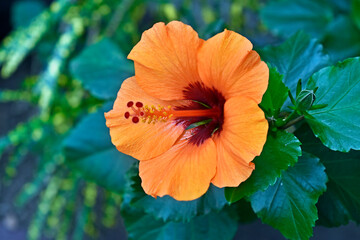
(139, 104)
(130, 104)
(135, 119)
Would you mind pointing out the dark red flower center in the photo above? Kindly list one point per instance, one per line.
(203, 98)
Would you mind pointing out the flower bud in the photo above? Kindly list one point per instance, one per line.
(305, 100)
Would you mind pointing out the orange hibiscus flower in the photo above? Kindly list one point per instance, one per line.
(190, 114)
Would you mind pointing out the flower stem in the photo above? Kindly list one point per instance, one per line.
(282, 122)
(292, 122)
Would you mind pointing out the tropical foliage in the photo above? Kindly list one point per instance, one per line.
(306, 175)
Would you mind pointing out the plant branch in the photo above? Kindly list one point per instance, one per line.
(292, 122)
(281, 122)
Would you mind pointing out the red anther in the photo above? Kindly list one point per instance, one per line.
(135, 119)
(142, 113)
(130, 104)
(139, 104)
(127, 115)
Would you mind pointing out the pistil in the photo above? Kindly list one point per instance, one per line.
(152, 114)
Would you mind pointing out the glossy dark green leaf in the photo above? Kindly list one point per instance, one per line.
(167, 208)
(281, 150)
(338, 124)
(213, 226)
(102, 68)
(297, 58)
(289, 16)
(289, 205)
(345, 45)
(341, 202)
(88, 149)
(275, 95)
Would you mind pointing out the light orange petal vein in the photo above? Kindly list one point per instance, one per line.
(241, 139)
(184, 172)
(228, 63)
(140, 140)
(165, 59)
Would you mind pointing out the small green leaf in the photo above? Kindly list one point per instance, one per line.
(298, 87)
(292, 99)
(213, 226)
(281, 150)
(338, 124)
(88, 149)
(201, 103)
(319, 106)
(341, 202)
(194, 125)
(167, 208)
(289, 205)
(275, 94)
(102, 68)
(297, 58)
(289, 16)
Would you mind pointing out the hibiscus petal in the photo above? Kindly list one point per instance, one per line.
(227, 63)
(165, 60)
(184, 172)
(140, 140)
(242, 138)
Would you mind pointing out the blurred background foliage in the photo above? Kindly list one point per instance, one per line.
(77, 51)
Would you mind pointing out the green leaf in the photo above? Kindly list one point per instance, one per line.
(23, 12)
(88, 149)
(167, 208)
(342, 46)
(212, 226)
(338, 124)
(289, 205)
(194, 125)
(275, 95)
(289, 16)
(281, 150)
(102, 68)
(341, 202)
(297, 58)
(298, 87)
(355, 12)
